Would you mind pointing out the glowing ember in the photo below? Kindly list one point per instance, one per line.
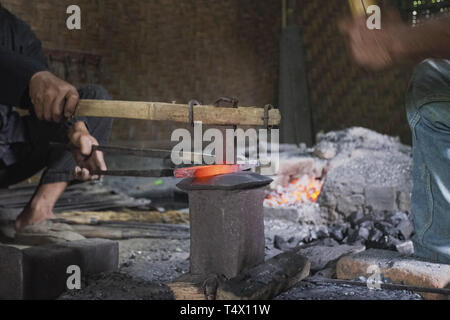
(210, 171)
(299, 191)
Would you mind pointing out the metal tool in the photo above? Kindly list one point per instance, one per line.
(151, 153)
(207, 114)
(179, 172)
(152, 173)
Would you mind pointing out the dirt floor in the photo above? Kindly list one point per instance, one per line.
(148, 265)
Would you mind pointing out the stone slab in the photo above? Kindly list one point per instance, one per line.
(41, 272)
(399, 268)
(322, 257)
(381, 198)
(11, 274)
(97, 255)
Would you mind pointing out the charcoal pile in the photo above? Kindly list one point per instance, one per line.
(352, 188)
(392, 232)
(370, 173)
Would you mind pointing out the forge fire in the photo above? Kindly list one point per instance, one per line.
(297, 192)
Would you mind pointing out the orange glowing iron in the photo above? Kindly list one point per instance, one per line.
(212, 170)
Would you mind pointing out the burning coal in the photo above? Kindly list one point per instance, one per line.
(297, 192)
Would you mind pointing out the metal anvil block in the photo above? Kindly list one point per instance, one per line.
(226, 223)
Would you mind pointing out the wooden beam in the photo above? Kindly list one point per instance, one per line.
(262, 282)
(293, 100)
(267, 280)
(126, 215)
(193, 287)
(157, 111)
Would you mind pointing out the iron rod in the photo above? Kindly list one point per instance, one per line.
(385, 286)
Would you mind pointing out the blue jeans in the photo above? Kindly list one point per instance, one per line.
(430, 124)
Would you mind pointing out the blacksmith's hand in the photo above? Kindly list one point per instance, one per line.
(52, 97)
(86, 159)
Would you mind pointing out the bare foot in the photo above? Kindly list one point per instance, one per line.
(40, 207)
(32, 216)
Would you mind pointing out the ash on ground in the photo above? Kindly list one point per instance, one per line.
(364, 203)
(148, 265)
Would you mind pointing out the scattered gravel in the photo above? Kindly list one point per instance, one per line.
(354, 159)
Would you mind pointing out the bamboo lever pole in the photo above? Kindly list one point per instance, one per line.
(157, 111)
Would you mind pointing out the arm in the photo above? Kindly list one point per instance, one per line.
(429, 40)
(16, 71)
(20, 58)
(24, 80)
(396, 42)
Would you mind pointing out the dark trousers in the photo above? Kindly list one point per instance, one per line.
(40, 155)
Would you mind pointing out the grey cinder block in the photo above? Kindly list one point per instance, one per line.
(45, 270)
(11, 274)
(41, 272)
(97, 255)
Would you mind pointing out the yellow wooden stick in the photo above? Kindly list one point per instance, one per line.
(159, 111)
(359, 7)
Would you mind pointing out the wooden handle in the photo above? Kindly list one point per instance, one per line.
(157, 111)
(359, 7)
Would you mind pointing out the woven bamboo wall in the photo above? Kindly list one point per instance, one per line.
(196, 49)
(342, 94)
(177, 50)
(169, 50)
